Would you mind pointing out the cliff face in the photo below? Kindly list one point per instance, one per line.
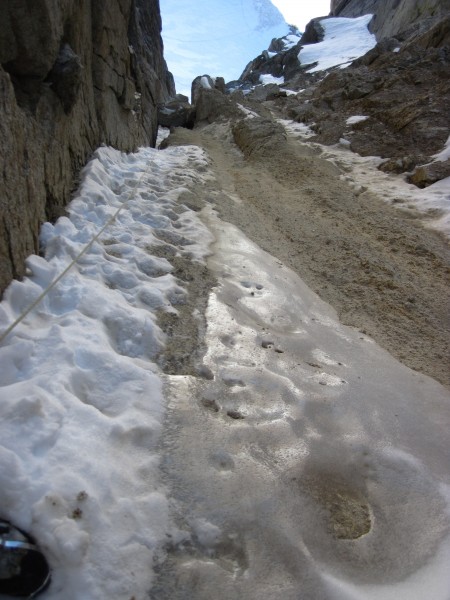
(73, 75)
(392, 17)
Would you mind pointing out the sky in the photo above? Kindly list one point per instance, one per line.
(300, 12)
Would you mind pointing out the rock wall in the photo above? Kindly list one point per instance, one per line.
(392, 17)
(73, 75)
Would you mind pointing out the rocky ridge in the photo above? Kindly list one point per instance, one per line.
(73, 76)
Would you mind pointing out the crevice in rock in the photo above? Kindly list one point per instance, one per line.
(27, 90)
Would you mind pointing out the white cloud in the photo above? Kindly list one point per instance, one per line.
(300, 12)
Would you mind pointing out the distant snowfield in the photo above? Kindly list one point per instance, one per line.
(82, 407)
(345, 40)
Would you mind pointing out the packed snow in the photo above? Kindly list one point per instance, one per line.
(345, 40)
(210, 36)
(356, 119)
(81, 399)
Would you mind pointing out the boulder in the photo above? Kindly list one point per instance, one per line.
(206, 82)
(425, 175)
(270, 91)
(401, 164)
(314, 32)
(258, 136)
(176, 112)
(211, 105)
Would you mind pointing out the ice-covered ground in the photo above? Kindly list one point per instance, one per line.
(312, 419)
(316, 461)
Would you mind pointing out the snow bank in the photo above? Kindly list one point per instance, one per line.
(345, 40)
(266, 79)
(81, 402)
(444, 154)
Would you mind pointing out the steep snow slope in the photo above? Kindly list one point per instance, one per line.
(345, 40)
(217, 38)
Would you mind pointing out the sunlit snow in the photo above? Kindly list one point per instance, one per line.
(266, 79)
(345, 40)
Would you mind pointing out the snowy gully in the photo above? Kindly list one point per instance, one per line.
(291, 458)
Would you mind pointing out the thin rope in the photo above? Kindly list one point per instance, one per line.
(19, 319)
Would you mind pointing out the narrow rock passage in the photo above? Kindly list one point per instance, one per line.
(311, 464)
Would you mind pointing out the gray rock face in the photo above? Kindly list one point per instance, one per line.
(393, 17)
(212, 104)
(206, 82)
(314, 32)
(73, 75)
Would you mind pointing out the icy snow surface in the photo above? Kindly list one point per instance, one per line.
(345, 40)
(82, 407)
(305, 415)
